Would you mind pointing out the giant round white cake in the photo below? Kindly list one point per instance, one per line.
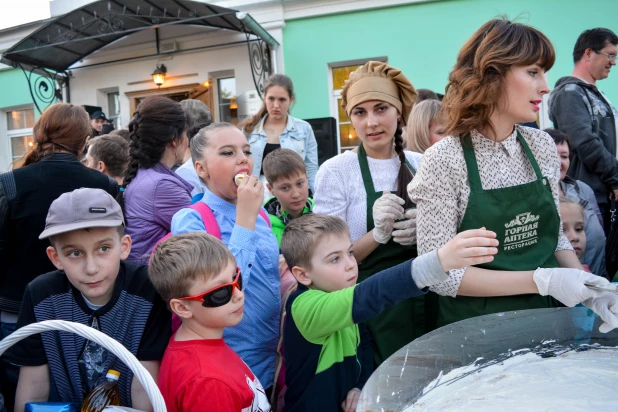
(571, 381)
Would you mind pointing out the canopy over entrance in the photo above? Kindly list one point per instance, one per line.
(62, 42)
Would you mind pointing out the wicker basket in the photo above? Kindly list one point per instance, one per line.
(102, 339)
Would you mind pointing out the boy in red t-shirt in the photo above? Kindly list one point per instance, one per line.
(197, 275)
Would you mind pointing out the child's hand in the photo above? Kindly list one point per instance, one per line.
(468, 248)
(250, 199)
(349, 405)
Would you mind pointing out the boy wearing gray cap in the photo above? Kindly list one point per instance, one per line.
(94, 286)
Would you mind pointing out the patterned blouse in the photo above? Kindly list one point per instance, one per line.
(441, 190)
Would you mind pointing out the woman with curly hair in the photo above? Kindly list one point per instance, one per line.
(151, 192)
(356, 186)
(490, 172)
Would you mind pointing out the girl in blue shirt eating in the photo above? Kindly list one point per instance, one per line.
(220, 152)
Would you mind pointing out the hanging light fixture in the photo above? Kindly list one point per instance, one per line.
(158, 76)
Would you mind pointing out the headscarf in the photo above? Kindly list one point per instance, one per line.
(379, 81)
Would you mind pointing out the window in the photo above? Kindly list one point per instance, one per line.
(113, 107)
(19, 125)
(348, 139)
(226, 100)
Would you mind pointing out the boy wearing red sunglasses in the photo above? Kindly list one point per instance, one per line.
(197, 275)
(328, 353)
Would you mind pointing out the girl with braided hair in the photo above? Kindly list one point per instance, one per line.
(356, 185)
(152, 192)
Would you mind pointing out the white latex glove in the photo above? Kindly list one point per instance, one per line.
(404, 232)
(606, 307)
(387, 209)
(568, 285)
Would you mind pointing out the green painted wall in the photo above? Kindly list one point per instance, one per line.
(14, 89)
(423, 40)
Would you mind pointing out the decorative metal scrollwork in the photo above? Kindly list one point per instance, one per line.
(44, 89)
(110, 24)
(259, 60)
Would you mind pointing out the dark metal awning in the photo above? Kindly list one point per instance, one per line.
(69, 38)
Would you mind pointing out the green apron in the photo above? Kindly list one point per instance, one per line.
(526, 223)
(409, 319)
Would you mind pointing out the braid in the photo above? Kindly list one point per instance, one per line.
(133, 165)
(157, 122)
(404, 177)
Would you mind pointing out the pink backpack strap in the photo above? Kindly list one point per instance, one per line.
(210, 223)
(265, 217)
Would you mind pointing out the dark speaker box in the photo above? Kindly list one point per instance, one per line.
(92, 109)
(325, 131)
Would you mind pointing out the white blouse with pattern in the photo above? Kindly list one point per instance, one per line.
(441, 189)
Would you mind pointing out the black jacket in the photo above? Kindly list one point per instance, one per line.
(578, 109)
(25, 196)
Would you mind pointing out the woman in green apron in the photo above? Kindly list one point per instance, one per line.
(377, 99)
(490, 172)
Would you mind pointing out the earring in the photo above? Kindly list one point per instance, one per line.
(175, 155)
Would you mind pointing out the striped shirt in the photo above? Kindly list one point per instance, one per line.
(135, 316)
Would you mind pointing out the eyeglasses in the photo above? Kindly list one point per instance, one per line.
(219, 296)
(611, 57)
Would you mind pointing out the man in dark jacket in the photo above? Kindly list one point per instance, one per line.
(579, 109)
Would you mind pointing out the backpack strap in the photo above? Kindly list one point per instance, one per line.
(266, 218)
(210, 223)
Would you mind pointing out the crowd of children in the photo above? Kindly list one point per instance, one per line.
(230, 303)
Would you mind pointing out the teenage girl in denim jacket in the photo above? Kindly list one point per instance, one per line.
(273, 127)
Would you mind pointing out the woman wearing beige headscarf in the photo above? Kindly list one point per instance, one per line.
(356, 186)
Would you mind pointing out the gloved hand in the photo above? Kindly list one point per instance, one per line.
(404, 232)
(567, 285)
(387, 209)
(606, 307)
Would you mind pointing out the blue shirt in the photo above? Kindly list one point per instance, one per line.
(298, 136)
(255, 338)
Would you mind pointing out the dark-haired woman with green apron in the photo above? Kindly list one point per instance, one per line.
(492, 173)
(377, 99)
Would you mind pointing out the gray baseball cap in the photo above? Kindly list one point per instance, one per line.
(82, 209)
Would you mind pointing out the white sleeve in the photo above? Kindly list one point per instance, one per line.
(436, 191)
(330, 195)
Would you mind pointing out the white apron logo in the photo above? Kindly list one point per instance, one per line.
(521, 231)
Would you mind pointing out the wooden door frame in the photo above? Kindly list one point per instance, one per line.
(163, 91)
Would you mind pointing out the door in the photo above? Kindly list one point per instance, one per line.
(204, 93)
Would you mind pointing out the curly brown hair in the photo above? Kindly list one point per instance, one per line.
(477, 81)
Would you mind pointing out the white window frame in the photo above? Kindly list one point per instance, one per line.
(335, 95)
(215, 76)
(218, 94)
(11, 134)
(115, 120)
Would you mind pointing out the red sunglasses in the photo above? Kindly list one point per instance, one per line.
(219, 296)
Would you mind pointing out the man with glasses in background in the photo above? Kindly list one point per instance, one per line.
(579, 109)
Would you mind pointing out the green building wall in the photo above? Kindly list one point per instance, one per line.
(14, 89)
(423, 40)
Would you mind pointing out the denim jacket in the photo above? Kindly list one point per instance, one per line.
(297, 136)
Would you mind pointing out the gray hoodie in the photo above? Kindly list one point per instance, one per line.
(580, 110)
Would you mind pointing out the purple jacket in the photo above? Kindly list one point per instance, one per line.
(150, 201)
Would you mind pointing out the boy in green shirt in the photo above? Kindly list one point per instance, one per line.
(328, 354)
(287, 179)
